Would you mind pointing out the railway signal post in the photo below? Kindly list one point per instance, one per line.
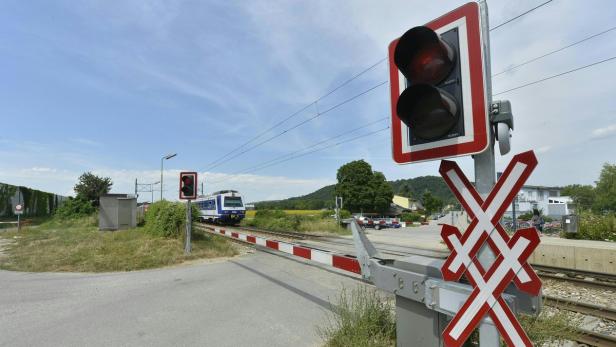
(441, 108)
(188, 192)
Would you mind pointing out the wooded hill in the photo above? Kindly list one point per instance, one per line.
(324, 197)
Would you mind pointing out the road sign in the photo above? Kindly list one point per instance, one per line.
(438, 88)
(512, 253)
(19, 209)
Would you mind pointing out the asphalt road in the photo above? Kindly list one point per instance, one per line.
(257, 299)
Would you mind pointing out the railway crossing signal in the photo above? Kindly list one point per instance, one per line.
(438, 88)
(512, 253)
(188, 185)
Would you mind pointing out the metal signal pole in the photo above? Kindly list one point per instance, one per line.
(187, 244)
(485, 174)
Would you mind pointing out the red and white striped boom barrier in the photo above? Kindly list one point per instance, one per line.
(338, 261)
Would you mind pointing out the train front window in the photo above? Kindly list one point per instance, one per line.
(233, 201)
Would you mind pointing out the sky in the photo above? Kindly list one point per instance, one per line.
(111, 87)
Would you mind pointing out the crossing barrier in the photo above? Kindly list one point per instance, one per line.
(338, 261)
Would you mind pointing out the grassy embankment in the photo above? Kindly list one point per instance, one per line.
(364, 317)
(309, 221)
(78, 245)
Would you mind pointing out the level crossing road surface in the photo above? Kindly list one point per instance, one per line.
(392, 243)
(258, 299)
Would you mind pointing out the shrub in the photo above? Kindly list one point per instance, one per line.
(411, 217)
(597, 227)
(74, 209)
(165, 218)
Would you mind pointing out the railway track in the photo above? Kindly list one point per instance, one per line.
(289, 234)
(592, 338)
(585, 278)
(580, 307)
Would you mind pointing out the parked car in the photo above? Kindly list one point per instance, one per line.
(365, 221)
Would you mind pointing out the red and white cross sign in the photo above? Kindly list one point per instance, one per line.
(511, 253)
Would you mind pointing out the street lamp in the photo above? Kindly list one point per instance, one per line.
(162, 160)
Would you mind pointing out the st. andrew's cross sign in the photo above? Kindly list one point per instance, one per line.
(511, 253)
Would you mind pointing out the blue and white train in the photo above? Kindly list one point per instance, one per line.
(222, 207)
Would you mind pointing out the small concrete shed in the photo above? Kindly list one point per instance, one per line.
(117, 211)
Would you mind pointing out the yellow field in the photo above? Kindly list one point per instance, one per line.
(251, 213)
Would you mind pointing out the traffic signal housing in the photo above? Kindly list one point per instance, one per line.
(438, 88)
(188, 185)
(431, 104)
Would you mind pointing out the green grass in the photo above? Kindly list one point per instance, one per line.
(78, 246)
(361, 317)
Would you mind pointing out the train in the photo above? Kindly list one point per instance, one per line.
(222, 207)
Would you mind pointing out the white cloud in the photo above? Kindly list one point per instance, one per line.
(604, 132)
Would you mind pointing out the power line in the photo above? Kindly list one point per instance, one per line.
(554, 51)
(326, 147)
(299, 124)
(316, 144)
(557, 75)
(300, 110)
(520, 15)
(263, 164)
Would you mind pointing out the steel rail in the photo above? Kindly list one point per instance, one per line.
(580, 307)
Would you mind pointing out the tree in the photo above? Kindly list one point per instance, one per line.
(582, 195)
(354, 185)
(383, 193)
(406, 191)
(606, 189)
(431, 203)
(90, 187)
(362, 189)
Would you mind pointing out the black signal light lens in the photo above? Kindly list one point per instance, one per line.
(423, 57)
(187, 180)
(430, 113)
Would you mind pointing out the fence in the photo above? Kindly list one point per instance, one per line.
(35, 202)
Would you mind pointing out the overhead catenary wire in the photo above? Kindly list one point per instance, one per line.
(554, 51)
(258, 166)
(322, 148)
(316, 144)
(520, 15)
(259, 135)
(317, 115)
(554, 76)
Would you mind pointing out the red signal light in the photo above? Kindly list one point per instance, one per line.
(423, 57)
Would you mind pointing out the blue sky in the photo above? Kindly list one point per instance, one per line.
(110, 87)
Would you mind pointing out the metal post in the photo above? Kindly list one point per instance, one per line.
(19, 202)
(161, 178)
(515, 218)
(152, 191)
(136, 188)
(187, 245)
(485, 172)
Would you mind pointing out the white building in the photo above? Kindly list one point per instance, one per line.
(546, 199)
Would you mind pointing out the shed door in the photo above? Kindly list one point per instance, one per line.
(124, 213)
